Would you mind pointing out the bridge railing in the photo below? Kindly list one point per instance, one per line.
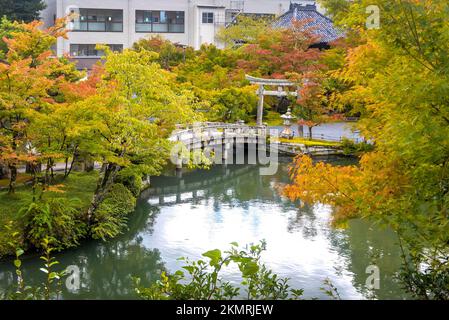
(214, 129)
(208, 128)
(324, 137)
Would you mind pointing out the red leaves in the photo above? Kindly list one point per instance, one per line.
(283, 51)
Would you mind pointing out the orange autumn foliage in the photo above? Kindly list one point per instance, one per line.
(351, 190)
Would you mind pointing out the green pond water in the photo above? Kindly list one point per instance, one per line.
(209, 209)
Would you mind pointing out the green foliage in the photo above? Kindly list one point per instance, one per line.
(230, 105)
(22, 10)
(330, 290)
(350, 147)
(7, 28)
(10, 238)
(397, 77)
(211, 69)
(244, 30)
(111, 216)
(50, 289)
(170, 55)
(425, 276)
(79, 186)
(203, 279)
(337, 9)
(131, 178)
(58, 219)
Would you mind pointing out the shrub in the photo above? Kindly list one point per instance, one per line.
(111, 215)
(204, 281)
(58, 219)
(132, 180)
(234, 104)
(351, 148)
(11, 238)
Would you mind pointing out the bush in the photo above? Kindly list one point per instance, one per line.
(204, 281)
(230, 105)
(111, 216)
(11, 238)
(351, 148)
(132, 180)
(58, 219)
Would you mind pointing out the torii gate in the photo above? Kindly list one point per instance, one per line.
(261, 92)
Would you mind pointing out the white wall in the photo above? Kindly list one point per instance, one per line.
(207, 31)
(195, 33)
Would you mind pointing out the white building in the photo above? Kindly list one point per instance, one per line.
(120, 23)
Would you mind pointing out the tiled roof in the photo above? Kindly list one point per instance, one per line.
(319, 24)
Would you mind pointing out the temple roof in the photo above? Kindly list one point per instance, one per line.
(320, 25)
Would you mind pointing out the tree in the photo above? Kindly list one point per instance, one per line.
(244, 30)
(22, 10)
(6, 29)
(400, 76)
(211, 68)
(230, 105)
(136, 108)
(170, 55)
(311, 106)
(29, 77)
(282, 53)
(337, 9)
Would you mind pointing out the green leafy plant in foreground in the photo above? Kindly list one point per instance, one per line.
(201, 280)
(50, 289)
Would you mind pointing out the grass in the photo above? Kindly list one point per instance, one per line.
(21, 179)
(311, 143)
(272, 118)
(80, 186)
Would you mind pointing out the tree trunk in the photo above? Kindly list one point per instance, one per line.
(103, 185)
(12, 179)
(310, 133)
(29, 167)
(77, 163)
(69, 170)
(89, 164)
(66, 167)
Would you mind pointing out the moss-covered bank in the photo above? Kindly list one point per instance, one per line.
(60, 212)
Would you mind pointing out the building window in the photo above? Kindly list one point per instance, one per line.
(208, 17)
(89, 50)
(99, 20)
(160, 21)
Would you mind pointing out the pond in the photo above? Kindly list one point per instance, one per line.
(209, 209)
(328, 131)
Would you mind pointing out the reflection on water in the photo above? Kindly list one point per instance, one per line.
(209, 209)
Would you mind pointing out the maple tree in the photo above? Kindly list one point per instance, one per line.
(28, 76)
(399, 78)
(170, 54)
(244, 30)
(291, 54)
(281, 53)
(136, 108)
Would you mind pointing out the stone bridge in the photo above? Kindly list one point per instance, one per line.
(220, 138)
(223, 138)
